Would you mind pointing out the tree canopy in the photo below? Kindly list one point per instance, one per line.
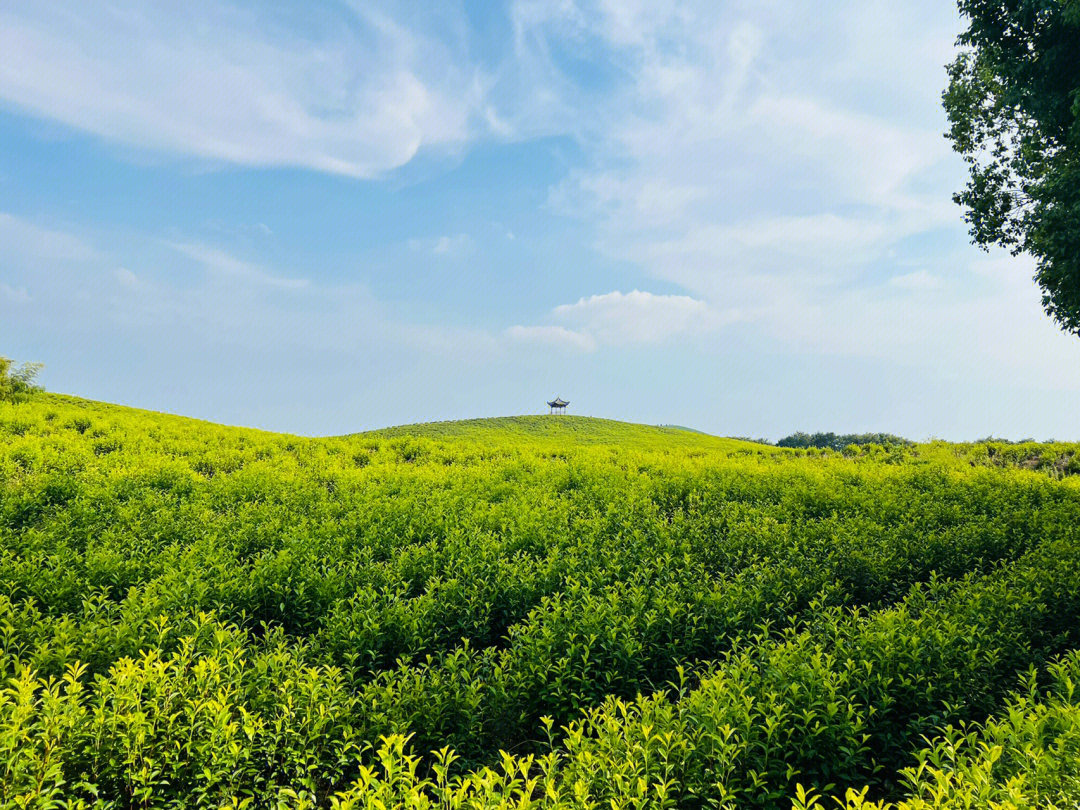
(17, 381)
(1013, 103)
(833, 441)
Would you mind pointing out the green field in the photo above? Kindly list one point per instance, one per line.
(529, 612)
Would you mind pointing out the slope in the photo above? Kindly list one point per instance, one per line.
(574, 429)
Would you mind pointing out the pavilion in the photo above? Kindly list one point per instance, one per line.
(558, 405)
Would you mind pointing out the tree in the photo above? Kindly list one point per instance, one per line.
(1013, 103)
(833, 442)
(17, 381)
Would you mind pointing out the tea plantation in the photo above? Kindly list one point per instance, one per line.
(549, 612)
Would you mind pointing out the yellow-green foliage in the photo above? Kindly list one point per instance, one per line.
(1025, 759)
(576, 430)
(531, 612)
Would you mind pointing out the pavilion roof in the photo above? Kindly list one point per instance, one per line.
(558, 402)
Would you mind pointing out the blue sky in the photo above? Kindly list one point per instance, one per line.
(327, 217)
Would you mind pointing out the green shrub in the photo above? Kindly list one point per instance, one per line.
(531, 612)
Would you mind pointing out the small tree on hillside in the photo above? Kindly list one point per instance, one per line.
(17, 382)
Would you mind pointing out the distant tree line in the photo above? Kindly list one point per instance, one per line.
(833, 441)
(998, 440)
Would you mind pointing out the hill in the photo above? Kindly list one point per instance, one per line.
(562, 428)
(532, 612)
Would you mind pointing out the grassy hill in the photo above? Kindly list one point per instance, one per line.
(529, 612)
(561, 428)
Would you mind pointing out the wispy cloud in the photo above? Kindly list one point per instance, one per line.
(14, 295)
(622, 319)
(26, 238)
(451, 244)
(917, 280)
(230, 318)
(554, 336)
(351, 93)
(619, 318)
(221, 262)
(445, 245)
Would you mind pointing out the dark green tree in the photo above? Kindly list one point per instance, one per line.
(833, 441)
(17, 381)
(1013, 104)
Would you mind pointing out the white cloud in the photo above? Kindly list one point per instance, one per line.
(618, 318)
(622, 319)
(737, 162)
(610, 196)
(153, 307)
(558, 336)
(126, 277)
(868, 158)
(226, 264)
(995, 328)
(16, 295)
(918, 280)
(351, 94)
(445, 245)
(20, 236)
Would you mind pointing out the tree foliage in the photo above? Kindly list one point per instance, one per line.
(1013, 103)
(16, 382)
(832, 441)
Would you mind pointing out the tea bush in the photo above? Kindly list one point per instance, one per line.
(1026, 758)
(543, 611)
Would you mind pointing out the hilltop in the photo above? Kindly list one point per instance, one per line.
(561, 428)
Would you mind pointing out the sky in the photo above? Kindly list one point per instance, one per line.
(326, 217)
